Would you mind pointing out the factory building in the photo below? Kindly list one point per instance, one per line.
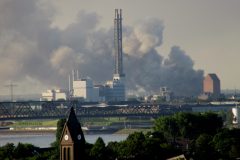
(84, 89)
(113, 90)
(211, 85)
(166, 93)
(54, 95)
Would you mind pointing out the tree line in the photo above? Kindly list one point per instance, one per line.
(198, 136)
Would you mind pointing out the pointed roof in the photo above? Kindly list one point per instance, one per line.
(74, 126)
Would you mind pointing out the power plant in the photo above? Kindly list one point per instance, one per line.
(115, 89)
(84, 89)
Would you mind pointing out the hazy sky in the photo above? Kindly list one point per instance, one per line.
(205, 30)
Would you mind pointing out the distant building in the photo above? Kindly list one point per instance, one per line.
(211, 85)
(115, 90)
(60, 94)
(54, 95)
(165, 94)
(49, 95)
(236, 115)
(84, 88)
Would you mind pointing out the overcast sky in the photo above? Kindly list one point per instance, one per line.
(206, 30)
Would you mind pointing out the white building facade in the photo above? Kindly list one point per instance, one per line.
(236, 115)
(84, 88)
(54, 95)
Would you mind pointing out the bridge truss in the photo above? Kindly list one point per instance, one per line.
(60, 109)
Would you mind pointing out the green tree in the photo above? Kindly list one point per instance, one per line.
(132, 147)
(222, 142)
(188, 124)
(235, 148)
(203, 148)
(156, 146)
(191, 125)
(22, 151)
(113, 150)
(168, 126)
(60, 125)
(213, 121)
(98, 151)
(6, 152)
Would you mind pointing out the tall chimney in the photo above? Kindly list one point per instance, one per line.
(118, 43)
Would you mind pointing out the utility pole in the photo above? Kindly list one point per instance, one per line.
(10, 86)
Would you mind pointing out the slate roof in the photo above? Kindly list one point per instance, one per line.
(74, 126)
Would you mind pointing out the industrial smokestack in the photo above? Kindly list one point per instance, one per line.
(77, 75)
(118, 70)
(69, 85)
(73, 75)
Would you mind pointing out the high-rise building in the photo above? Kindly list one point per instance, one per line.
(211, 85)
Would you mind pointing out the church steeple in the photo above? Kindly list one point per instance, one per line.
(72, 141)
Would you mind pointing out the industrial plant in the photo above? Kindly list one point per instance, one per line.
(83, 88)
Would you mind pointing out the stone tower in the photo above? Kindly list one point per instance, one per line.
(72, 141)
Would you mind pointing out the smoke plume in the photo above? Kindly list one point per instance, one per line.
(31, 50)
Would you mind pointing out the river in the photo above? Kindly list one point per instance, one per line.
(45, 139)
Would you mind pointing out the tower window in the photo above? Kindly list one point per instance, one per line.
(64, 154)
(68, 153)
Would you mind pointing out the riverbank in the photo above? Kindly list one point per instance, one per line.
(125, 131)
(26, 132)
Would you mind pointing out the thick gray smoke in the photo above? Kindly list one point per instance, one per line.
(32, 51)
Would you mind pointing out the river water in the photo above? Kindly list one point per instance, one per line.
(45, 139)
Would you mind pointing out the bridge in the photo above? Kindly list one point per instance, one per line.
(59, 109)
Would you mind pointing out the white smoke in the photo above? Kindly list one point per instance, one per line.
(31, 50)
(64, 60)
(143, 37)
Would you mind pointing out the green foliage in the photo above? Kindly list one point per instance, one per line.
(60, 125)
(203, 131)
(188, 125)
(203, 148)
(138, 146)
(168, 126)
(222, 142)
(33, 123)
(20, 152)
(27, 149)
(6, 152)
(98, 151)
(227, 143)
